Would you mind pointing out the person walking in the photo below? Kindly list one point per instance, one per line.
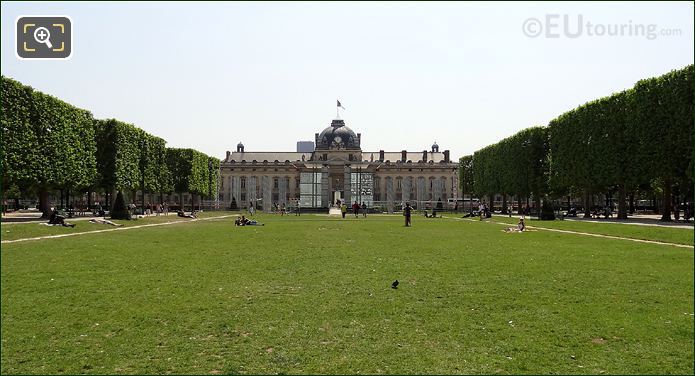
(364, 209)
(356, 209)
(407, 212)
(343, 209)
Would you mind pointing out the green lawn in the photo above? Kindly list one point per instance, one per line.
(14, 231)
(312, 294)
(658, 233)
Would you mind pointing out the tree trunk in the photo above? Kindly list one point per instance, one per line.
(528, 198)
(62, 206)
(666, 208)
(587, 205)
(654, 204)
(569, 202)
(44, 203)
(537, 201)
(519, 209)
(89, 200)
(504, 203)
(632, 202)
(622, 208)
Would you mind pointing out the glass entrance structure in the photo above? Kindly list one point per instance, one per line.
(310, 190)
(362, 187)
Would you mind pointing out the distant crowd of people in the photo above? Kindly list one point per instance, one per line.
(356, 208)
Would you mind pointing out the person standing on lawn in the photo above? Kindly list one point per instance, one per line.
(406, 212)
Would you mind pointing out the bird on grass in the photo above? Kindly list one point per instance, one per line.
(394, 285)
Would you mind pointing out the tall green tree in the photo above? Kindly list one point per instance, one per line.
(190, 171)
(118, 155)
(662, 111)
(466, 182)
(56, 138)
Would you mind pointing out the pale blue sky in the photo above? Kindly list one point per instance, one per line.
(208, 75)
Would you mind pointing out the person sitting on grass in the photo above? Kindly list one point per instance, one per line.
(607, 212)
(57, 219)
(520, 227)
(247, 222)
(572, 212)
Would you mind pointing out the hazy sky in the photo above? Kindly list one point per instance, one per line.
(208, 75)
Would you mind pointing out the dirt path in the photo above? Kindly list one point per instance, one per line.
(112, 229)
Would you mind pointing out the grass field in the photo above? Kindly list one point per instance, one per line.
(312, 294)
(656, 233)
(14, 231)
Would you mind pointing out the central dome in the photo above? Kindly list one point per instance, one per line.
(338, 136)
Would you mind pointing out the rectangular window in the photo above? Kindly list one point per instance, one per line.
(275, 183)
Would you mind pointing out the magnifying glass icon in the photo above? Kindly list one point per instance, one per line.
(42, 35)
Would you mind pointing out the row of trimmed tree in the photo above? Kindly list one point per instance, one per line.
(48, 145)
(640, 139)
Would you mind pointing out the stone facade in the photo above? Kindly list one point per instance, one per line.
(338, 169)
